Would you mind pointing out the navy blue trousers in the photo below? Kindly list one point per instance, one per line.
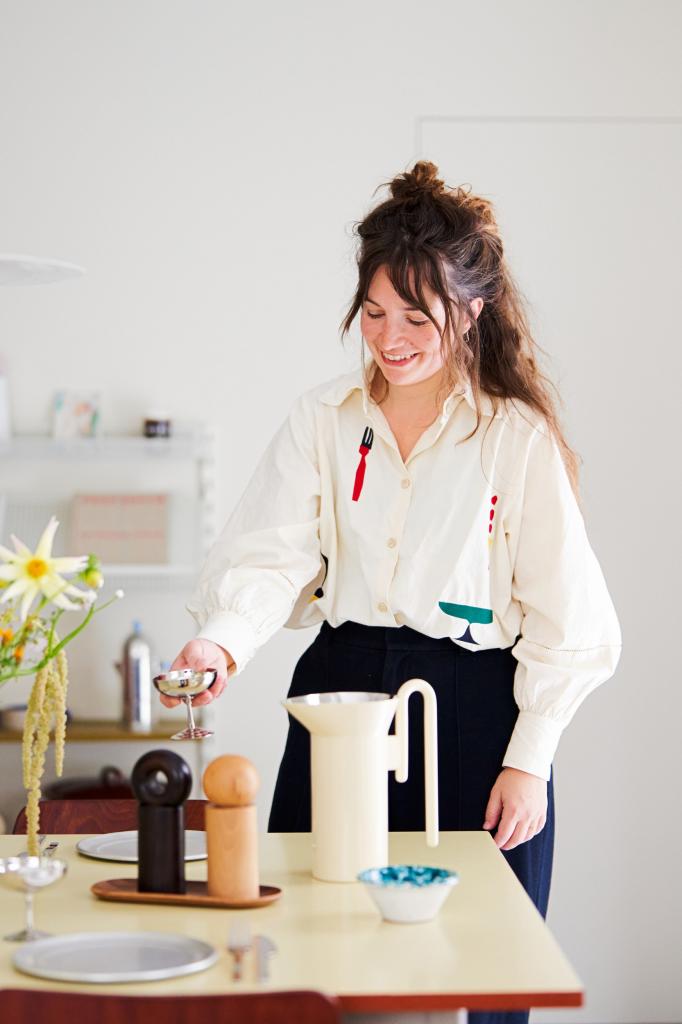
(476, 716)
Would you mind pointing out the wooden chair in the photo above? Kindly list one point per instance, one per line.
(109, 784)
(26, 1006)
(81, 817)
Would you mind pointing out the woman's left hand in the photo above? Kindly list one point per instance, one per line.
(518, 801)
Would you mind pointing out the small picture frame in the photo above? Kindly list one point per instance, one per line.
(76, 414)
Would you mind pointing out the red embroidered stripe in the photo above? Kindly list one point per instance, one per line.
(365, 448)
(360, 472)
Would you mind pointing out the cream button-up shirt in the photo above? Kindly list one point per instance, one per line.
(478, 540)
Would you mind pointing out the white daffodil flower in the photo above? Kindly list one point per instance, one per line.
(27, 574)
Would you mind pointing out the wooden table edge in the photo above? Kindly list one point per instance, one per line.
(458, 1001)
(371, 1004)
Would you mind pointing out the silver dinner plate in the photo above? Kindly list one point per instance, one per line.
(122, 846)
(110, 957)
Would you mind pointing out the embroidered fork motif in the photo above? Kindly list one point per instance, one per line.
(365, 449)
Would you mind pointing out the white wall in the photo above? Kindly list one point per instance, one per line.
(205, 162)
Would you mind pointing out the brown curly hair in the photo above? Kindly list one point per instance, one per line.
(448, 239)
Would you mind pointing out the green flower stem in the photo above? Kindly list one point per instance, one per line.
(51, 652)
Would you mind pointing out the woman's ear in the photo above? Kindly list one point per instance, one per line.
(476, 305)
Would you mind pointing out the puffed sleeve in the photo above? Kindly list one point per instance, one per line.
(269, 548)
(570, 639)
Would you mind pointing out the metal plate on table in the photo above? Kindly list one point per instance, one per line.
(122, 846)
(110, 957)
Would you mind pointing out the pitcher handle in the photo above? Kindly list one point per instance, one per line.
(430, 749)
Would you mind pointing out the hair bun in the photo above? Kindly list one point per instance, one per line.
(421, 180)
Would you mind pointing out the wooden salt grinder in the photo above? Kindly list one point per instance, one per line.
(231, 783)
(161, 782)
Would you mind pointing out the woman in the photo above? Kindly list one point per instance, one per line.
(424, 510)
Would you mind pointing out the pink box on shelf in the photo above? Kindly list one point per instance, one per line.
(121, 529)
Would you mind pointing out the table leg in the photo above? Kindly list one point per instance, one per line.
(409, 1017)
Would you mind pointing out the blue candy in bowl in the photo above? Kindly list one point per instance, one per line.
(408, 892)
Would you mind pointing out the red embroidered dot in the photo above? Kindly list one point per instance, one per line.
(490, 528)
(492, 513)
(493, 499)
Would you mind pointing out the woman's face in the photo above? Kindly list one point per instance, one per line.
(403, 342)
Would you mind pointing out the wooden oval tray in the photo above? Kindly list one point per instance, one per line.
(125, 890)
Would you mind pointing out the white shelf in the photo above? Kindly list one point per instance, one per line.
(40, 475)
(160, 571)
(39, 446)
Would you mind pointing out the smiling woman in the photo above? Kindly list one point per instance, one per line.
(397, 341)
(425, 547)
(411, 355)
(437, 251)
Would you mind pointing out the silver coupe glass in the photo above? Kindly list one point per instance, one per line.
(29, 875)
(186, 683)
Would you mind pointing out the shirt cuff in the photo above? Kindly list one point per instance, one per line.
(234, 633)
(533, 744)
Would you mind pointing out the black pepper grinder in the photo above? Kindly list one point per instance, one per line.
(161, 782)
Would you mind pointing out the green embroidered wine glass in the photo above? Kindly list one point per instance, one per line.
(472, 614)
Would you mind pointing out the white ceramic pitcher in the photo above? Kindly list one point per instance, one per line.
(351, 754)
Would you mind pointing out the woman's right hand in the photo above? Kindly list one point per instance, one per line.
(203, 655)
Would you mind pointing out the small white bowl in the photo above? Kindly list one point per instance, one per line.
(408, 893)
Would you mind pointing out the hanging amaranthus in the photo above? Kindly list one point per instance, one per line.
(46, 710)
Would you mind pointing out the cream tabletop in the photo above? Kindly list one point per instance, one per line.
(487, 948)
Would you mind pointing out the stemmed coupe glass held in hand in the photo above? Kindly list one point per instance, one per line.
(186, 683)
(197, 676)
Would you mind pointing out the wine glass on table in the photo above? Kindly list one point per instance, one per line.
(187, 683)
(29, 875)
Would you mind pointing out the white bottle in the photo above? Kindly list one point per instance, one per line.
(137, 682)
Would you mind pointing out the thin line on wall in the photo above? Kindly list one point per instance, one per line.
(615, 119)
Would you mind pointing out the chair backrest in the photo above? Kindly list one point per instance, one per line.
(81, 817)
(110, 783)
(25, 1006)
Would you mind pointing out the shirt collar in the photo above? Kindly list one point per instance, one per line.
(342, 387)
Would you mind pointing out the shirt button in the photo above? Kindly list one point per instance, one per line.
(382, 606)
(391, 542)
(405, 483)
